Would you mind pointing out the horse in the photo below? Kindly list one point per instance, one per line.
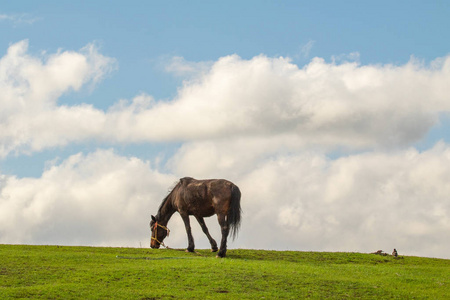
(200, 198)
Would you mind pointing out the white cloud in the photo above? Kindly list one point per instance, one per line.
(180, 67)
(350, 57)
(98, 199)
(365, 202)
(37, 82)
(323, 104)
(302, 201)
(18, 19)
(305, 49)
(30, 118)
(326, 105)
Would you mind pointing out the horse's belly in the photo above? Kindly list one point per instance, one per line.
(206, 212)
(201, 211)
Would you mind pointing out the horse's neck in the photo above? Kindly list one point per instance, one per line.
(166, 212)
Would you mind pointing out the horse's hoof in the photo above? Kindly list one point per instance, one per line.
(214, 249)
(189, 251)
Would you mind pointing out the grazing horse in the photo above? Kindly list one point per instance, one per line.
(200, 198)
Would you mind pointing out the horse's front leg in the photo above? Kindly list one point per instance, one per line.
(187, 224)
(213, 243)
(225, 230)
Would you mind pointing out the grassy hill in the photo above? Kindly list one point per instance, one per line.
(60, 272)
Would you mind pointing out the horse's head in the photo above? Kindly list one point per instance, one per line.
(159, 233)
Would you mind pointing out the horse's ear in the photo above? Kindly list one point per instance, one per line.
(185, 180)
(153, 218)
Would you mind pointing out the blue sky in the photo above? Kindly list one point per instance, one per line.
(321, 93)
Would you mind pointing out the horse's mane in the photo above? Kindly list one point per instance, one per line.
(168, 197)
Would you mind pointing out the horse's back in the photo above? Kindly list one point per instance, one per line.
(215, 187)
(206, 196)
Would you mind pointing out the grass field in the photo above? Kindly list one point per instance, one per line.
(56, 272)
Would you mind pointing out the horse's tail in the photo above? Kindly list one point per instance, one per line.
(234, 212)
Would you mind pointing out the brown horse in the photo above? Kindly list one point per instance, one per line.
(200, 198)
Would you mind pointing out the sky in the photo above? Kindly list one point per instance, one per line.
(332, 118)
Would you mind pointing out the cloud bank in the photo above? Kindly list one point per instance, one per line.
(322, 104)
(264, 123)
(297, 202)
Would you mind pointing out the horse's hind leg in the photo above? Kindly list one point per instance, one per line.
(213, 243)
(187, 224)
(225, 230)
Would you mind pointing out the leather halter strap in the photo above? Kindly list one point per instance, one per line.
(156, 233)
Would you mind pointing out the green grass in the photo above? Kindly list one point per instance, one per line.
(56, 272)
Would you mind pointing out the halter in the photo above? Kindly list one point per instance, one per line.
(156, 233)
